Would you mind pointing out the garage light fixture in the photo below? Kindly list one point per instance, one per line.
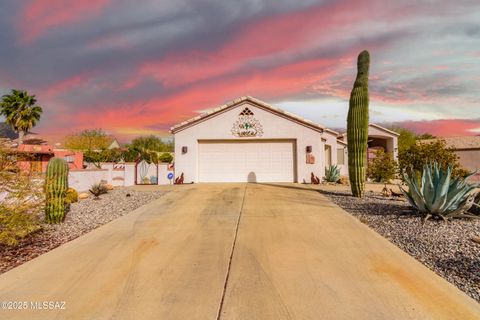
(184, 150)
(309, 149)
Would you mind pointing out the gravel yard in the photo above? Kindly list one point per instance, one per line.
(445, 247)
(83, 217)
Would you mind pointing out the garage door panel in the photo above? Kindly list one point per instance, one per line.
(234, 161)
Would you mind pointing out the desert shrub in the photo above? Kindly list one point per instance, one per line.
(383, 168)
(21, 201)
(417, 155)
(166, 157)
(98, 189)
(332, 174)
(71, 196)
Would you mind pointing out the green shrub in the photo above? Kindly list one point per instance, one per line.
(437, 194)
(417, 155)
(382, 168)
(332, 174)
(71, 196)
(166, 157)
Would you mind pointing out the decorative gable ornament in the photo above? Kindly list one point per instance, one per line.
(246, 125)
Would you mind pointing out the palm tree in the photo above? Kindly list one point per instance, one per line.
(20, 111)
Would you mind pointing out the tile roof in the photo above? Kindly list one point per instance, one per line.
(236, 102)
(465, 142)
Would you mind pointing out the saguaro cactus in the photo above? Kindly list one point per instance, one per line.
(56, 185)
(357, 127)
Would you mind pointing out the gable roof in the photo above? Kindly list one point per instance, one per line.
(383, 129)
(257, 103)
(458, 143)
(376, 126)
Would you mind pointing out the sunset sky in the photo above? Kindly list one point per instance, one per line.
(139, 67)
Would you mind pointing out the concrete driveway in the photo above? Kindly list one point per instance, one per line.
(233, 251)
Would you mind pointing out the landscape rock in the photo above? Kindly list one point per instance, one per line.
(83, 195)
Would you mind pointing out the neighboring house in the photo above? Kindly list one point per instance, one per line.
(379, 138)
(248, 140)
(113, 143)
(467, 149)
(35, 157)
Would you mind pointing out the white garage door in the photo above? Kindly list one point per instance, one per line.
(246, 161)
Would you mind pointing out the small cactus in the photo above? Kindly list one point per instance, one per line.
(56, 185)
(357, 127)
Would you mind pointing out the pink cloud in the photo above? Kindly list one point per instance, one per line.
(38, 16)
(269, 38)
(66, 84)
(444, 127)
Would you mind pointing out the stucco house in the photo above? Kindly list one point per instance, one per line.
(248, 140)
(35, 157)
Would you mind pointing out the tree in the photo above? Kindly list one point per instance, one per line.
(406, 139)
(425, 136)
(419, 154)
(20, 111)
(151, 143)
(88, 140)
(382, 168)
(150, 148)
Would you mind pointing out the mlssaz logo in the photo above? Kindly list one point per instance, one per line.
(247, 126)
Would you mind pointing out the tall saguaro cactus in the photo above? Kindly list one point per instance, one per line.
(357, 127)
(56, 185)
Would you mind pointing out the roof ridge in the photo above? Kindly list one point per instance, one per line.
(241, 99)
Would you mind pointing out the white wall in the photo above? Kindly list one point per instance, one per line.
(274, 127)
(118, 175)
(129, 174)
(163, 172)
(82, 180)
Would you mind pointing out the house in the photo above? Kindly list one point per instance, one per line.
(113, 143)
(467, 148)
(34, 158)
(379, 138)
(248, 140)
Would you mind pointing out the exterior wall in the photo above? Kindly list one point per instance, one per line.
(470, 160)
(82, 180)
(129, 174)
(163, 171)
(77, 156)
(331, 140)
(343, 168)
(274, 127)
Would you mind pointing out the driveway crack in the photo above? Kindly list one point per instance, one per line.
(225, 284)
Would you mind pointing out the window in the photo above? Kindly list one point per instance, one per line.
(69, 159)
(246, 112)
(341, 156)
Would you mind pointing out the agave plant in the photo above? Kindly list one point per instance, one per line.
(437, 194)
(332, 174)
